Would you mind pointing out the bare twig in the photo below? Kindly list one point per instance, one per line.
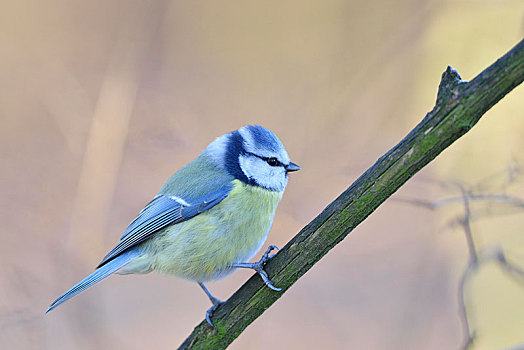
(466, 225)
(463, 313)
(472, 266)
(472, 197)
(509, 267)
(475, 258)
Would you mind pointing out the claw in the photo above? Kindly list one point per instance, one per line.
(267, 281)
(209, 312)
(266, 256)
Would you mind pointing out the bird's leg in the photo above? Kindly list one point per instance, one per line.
(259, 267)
(214, 301)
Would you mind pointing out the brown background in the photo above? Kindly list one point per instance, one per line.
(101, 101)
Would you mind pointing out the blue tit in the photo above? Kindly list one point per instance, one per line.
(209, 218)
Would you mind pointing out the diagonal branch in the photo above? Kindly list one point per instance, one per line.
(458, 108)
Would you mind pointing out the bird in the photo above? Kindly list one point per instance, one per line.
(209, 219)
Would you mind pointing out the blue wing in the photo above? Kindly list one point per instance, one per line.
(163, 211)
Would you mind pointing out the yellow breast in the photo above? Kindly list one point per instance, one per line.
(204, 247)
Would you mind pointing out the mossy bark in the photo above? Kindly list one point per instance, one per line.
(458, 108)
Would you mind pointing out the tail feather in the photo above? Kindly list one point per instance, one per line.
(99, 274)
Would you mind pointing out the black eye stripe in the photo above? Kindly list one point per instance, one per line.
(271, 161)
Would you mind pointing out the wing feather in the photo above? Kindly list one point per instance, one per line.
(163, 211)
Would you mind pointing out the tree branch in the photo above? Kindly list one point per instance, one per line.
(458, 108)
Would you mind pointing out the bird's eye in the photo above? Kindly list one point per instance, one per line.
(273, 162)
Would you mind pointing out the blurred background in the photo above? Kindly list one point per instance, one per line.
(101, 101)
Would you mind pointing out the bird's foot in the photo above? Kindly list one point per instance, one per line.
(215, 301)
(259, 267)
(209, 312)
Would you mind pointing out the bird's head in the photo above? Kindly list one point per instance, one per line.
(254, 155)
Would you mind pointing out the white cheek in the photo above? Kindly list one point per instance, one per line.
(270, 177)
(249, 166)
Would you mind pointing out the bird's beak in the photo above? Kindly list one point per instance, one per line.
(292, 167)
